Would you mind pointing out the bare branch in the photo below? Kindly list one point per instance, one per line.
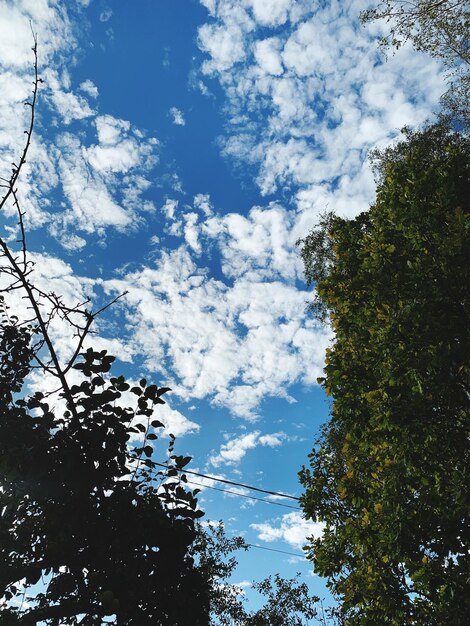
(17, 169)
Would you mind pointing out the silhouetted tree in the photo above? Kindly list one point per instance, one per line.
(92, 531)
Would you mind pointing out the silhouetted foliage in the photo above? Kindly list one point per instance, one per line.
(80, 514)
(287, 602)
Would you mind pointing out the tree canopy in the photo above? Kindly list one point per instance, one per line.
(439, 27)
(81, 514)
(389, 474)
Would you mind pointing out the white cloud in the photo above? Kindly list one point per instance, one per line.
(50, 21)
(272, 440)
(89, 87)
(191, 231)
(118, 158)
(210, 5)
(110, 130)
(225, 42)
(235, 449)
(271, 12)
(261, 244)
(292, 528)
(317, 94)
(234, 344)
(71, 106)
(202, 201)
(106, 14)
(178, 117)
(267, 56)
(170, 207)
(103, 184)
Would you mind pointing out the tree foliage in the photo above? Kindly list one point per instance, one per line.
(439, 27)
(88, 534)
(390, 472)
(286, 602)
(79, 515)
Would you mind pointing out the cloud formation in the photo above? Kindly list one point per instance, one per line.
(292, 528)
(305, 104)
(235, 449)
(234, 344)
(177, 116)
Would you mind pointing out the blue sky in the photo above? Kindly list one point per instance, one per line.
(181, 149)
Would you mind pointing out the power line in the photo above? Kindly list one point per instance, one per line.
(254, 545)
(230, 482)
(244, 495)
(249, 545)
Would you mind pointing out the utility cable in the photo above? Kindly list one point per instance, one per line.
(254, 545)
(229, 482)
(244, 495)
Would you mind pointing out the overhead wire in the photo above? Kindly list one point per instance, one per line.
(230, 482)
(254, 545)
(244, 495)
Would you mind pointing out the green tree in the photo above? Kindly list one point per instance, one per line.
(439, 28)
(389, 474)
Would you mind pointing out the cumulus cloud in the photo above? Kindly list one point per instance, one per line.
(89, 87)
(225, 41)
(317, 93)
(104, 182)
(271, 12)
(261, 243)
(292, 528)
(235, 449)
(50, 20)
(234, 344)
(71, 106)
(177, 116)
(267, 56)
(202, 201)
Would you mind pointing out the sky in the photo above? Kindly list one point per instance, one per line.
(181, 149)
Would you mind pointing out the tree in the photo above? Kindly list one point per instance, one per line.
(89, 532)
(389, 474)
(439, 28)
(92, 532)
(79, 513)
(287, 601)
